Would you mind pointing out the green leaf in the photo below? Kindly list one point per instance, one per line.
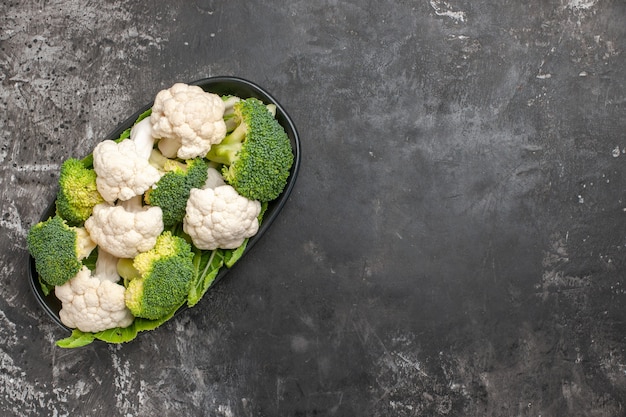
(264, 206)
(90, 261)
(118, 334)
(233, 255)
(144, 115)
(207, 265)
(76, 339)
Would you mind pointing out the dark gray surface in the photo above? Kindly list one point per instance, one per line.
(455, 244)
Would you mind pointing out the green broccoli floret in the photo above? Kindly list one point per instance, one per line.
(171, 192)
(159, 280)
(77, 193)
(257, 154)
(58, 249)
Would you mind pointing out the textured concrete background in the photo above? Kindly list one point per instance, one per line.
(455, 244)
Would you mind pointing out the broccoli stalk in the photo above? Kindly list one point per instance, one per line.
(158, 281)
(58, 249)
(256, 155)
(77, 194)
(171, 192)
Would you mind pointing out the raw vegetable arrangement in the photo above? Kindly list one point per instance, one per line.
(144, 224)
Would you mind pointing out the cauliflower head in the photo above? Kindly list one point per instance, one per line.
(220, 218)
(122, 172)
(187, 120)
(125, 230)
(92, 305)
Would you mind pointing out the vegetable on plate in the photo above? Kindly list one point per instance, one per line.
(143, 226)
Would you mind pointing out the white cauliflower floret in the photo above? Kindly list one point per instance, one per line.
(122, 172)
(187, 120)
(84, 243)
(93, 303)
(214, 179)
(127, 229)
(220, 218)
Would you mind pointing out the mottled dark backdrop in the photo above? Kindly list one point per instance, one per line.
(455, 244)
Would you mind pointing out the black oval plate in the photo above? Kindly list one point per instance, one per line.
(219, 85)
